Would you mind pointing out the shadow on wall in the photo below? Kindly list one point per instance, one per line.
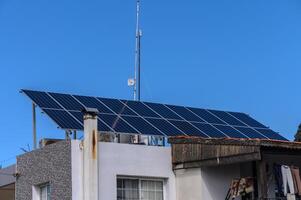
(217, 180)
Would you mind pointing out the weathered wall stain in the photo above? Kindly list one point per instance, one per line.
(94, 143)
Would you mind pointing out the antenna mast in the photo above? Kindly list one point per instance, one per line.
(136, 81)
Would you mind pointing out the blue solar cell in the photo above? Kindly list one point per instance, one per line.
(207, 116)
(63, 119)
(165, 127)
(271, 134)
(101, 126)
(227, 118)
(231, 132)
(247, 119)
(67, 101)
(42, 99)
(117, 106)
(141, 125)
(185, 113)
(187, 128)
(116, 123)
(209, 130)
(141, 109)
(201, 121)
(163, 111)
(251, 133)
(92, 102)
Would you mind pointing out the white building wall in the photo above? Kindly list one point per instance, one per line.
(189, 184)
(216, 181)
(117, 159)
(77, 170)
(206, 183)
(133, 160)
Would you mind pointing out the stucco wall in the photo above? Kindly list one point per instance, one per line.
(189, 184)
(50, 164)
(128, 160)
(216, 181)
(77, 170)
(133, 160)
(206, 183)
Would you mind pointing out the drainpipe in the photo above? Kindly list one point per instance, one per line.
(90, 150)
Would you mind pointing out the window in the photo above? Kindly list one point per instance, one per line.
(45, 192)
(139, 189)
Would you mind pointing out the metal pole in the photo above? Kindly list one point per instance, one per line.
(67, 135)
(74, 135)
(139, 64)
(137, 55)
(34, 126)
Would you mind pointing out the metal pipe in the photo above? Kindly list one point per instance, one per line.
(34, 126)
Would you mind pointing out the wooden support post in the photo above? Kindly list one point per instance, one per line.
(262, 179)
(255, 175)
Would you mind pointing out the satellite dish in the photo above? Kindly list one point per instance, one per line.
(131, 82)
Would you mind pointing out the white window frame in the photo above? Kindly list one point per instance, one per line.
(140, 179)
(37, 189)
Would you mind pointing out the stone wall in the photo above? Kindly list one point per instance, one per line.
(51, 164)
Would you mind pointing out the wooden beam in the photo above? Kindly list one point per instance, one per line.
(218, 161)
(262, 179)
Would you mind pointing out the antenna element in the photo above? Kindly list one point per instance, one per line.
(136, 81)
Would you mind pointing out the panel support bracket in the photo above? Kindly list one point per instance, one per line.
(34, 126)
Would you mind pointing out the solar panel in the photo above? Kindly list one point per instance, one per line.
(64, 119)
(67, 101)
(230, 131)
(117, 106)
(229, 119)
(163, 111)
(206, 115)
(117, 123)
(132, 117)
(270, 134)
(185, 113)
(141, 109)
(247, 119)
(209, 130)
(43, 100)
(165, 126)
(251, 133)
(142, 125)
(188, 128)
(92, 102)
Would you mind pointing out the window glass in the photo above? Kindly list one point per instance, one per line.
(45, 192)
(151, 190)
(127, 189)
(139, 189)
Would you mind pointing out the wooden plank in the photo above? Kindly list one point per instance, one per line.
(198, 152)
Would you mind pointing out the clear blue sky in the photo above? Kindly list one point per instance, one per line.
(233, 55)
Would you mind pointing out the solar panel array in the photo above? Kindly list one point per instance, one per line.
(132, 117)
